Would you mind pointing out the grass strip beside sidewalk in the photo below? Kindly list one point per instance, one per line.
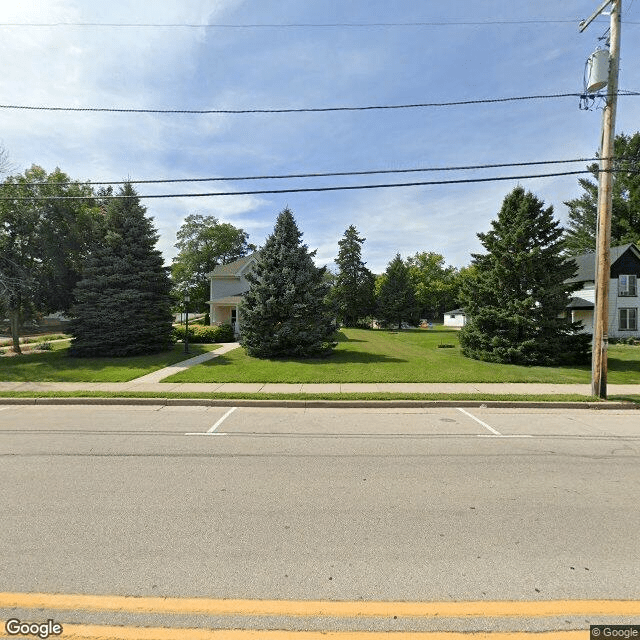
(506, 397)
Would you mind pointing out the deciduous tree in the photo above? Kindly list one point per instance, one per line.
(203, 243)
(43, 239)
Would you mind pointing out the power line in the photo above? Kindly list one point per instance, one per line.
(419, 105)
(328, 174)
(295, 25)
(308, 189)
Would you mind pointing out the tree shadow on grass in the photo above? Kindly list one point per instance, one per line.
(623, 366)
(340, 357)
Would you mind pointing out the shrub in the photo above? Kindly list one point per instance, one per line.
(207, 335)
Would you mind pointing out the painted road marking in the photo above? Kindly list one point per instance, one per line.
(212, 431)
(96, 632)
(322, 608)
(484, 424)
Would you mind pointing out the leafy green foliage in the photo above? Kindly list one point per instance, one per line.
(284, 312)
(123, 303)
(353, 294)
(205, 334)
(435, 284)
(396, 300)
(203, 243)
(43, 241)
(517, 296)
(625, 215)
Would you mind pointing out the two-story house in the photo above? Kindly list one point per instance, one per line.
(623, 291)
(227, 285)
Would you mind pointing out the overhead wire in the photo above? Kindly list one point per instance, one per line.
(418, 105)
(327, 174)
(306, 189)
(293, 25)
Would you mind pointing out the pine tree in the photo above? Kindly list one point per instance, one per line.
(123, 303)
(396, 299)
(353, 293)
(284, 312)
(517, 297)
(625, 215)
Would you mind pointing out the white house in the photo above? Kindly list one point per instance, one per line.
(623, 291)
(455, 318)
(227, 285)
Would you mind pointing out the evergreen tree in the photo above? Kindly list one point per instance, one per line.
(625, 214)
(123, 303)
(353, 292)
(284, 312)
(396, 299)
(517, 294)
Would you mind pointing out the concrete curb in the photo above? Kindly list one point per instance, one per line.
(320, 404)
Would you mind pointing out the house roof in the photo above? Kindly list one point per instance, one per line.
(232, 269)
(448, 313)
(587, 263)
(228, 301)
(580, 303)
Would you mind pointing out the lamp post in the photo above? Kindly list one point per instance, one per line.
(187, 299)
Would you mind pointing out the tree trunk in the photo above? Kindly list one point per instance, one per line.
(14, 319)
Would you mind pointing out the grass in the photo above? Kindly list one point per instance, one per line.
(506, 397)
(406, 356)
(56, 366)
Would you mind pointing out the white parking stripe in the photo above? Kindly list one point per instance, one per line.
(212, 431)
(484, 424)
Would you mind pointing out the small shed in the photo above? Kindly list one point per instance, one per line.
(455, 318)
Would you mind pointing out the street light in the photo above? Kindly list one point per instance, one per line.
(187, 299)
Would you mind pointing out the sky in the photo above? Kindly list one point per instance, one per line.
(374, 53)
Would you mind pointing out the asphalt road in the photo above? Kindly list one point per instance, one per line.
(357, 505)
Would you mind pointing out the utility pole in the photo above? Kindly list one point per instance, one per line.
(605, 200)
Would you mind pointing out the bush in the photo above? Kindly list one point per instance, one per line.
(207, 335)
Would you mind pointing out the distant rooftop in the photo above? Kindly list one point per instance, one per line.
(587, 263)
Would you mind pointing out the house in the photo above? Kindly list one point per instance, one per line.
(227, 284)
(455, 318)
(623, 291)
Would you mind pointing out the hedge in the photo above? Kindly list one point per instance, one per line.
(205, 334)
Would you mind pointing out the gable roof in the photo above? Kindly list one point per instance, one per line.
(233, 269)
(587, 262)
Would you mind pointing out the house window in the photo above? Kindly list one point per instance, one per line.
(628, 320)
(627, 285)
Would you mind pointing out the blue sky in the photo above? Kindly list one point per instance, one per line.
(300, 67)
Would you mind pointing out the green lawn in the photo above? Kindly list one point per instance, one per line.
(56, 366)
(406, 356)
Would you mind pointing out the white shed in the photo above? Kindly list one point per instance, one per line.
(455, 318)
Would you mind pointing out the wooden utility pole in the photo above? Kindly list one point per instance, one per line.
(605, 200)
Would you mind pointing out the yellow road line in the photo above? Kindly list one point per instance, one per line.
(321, 608)
(95, 632)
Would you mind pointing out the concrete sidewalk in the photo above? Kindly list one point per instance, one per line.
(268, 388)
(152, 382)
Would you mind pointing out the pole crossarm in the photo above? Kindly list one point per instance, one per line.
(585, 23)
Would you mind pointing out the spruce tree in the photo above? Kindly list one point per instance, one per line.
(517, 297)
(284, 312)
(123, 303)
(625, 215)
(396, 299)
(353, 293)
